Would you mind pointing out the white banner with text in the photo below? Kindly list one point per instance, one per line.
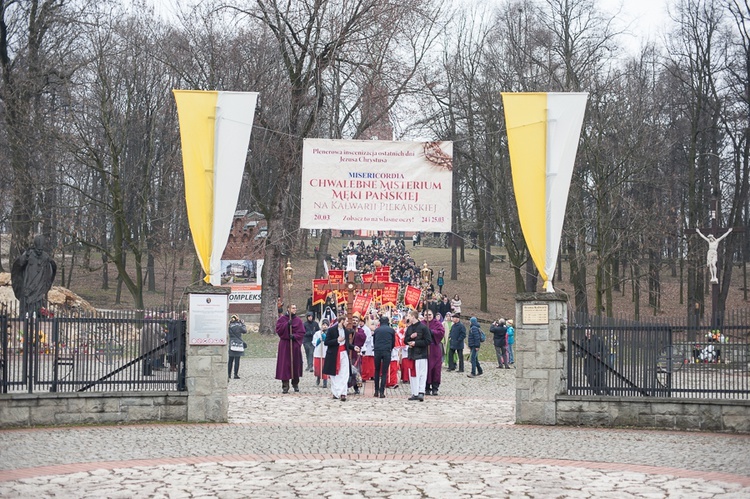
(376, 185)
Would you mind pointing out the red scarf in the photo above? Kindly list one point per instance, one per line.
(342, 348)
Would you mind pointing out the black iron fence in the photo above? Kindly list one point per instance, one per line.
(112, 351)
(659, 358)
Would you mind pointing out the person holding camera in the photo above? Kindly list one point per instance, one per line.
(418, 337)
(237, 346)
(500, 341)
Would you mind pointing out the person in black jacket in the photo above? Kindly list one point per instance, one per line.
(383, 341)
(500, 333)
(418, 337)
(594, 362)
(336, 363)
(444, 307)
(237, 345)
(456, 344)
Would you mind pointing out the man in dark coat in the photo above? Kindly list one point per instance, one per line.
(419, 338)
(444, 307)
(594, 356)
(32, 275)
(336, 363)
(500, 333)
(291, 333)
(151, 336)
(456, 339)
(383, 341)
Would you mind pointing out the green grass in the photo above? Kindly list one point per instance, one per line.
(260, 346)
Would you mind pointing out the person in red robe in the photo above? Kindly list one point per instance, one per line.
(291, 332)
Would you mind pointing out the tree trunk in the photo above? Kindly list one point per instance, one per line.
(271, 272)
(325, 240)
(482, 271)
(105, 271)
(532, 276)
(151, 273)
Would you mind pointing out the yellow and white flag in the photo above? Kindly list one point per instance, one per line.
(543, 132)
(215, 133)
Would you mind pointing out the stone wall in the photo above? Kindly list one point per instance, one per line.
(206, 377)
(540, 357)
(27, 409)
(664, 413)
(205, 398)
(541, 383)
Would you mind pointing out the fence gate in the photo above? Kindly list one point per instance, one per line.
(120, 351)
(620, 360)
(672, 358)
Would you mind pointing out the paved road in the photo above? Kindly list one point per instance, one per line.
(462, 443)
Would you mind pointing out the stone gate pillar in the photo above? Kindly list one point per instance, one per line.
(206, 354)
(541, 339)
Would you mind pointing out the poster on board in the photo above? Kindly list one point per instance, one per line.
(207, 320)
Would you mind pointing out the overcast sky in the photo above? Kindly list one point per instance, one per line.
(646, 18)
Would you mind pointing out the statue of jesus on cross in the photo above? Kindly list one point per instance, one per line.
(712, 254)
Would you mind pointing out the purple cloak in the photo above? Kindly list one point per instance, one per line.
(283, 360)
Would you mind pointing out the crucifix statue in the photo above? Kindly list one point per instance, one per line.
(713, 239)
(712, 254)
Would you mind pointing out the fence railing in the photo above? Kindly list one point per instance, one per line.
(114, 351)
(610, 357)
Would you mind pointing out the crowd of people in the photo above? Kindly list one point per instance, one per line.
(390, 253)
(384, 346)
(405, 347)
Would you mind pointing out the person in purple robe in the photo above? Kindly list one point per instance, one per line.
(291, 332)
(435, 355)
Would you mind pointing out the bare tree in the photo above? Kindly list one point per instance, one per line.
(122, 135)
(312, 40)
(35, 39)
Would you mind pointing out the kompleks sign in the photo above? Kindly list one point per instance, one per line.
(245, 294)
(376, 185)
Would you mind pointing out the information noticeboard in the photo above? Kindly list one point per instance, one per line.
(535, 314)
(207, 321)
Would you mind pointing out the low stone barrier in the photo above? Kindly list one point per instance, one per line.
(654, 412)
(541, 377)
(32, 409)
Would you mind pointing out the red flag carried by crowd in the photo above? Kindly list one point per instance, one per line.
(336, 276)
(412, 296)
(361, 304)
(383, 274)
(319, 294)
(389, 295)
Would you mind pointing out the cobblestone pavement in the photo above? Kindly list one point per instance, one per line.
(462, 443)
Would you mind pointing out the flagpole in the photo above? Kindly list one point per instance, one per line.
(289, 273)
